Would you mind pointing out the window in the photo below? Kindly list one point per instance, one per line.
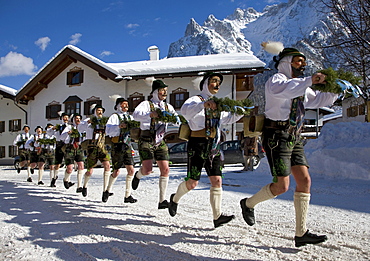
(178, 97)
(52, 110)
(245, 84)
(2, 151)
(352, 111)
(362, 109)
(90, 101)
(72, 105)
(75, 76)
(134, 100)
(15, 125)
(2, 126)
(13, 151)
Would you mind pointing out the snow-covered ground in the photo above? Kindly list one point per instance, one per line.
(43, 223)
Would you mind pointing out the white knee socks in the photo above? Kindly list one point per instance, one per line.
(181, 191)
(111, 182)
(79, 178)
(163, 182)
(301, 202)
(215, 198)
(128, 185)
(41, 173)
(67, 176)
(86, 180)
(106, 179)
(262, 195)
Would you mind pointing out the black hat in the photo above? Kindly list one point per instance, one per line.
(48, 125)
(119, 101)
(25, 127)
(287, 52)
(63, 114)
(209, 75)
(98, 107)
(158, 84)
(39, 127)
(75, 115)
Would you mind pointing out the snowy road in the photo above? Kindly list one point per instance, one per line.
(43, 223)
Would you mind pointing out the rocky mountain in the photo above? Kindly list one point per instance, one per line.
(300, 24)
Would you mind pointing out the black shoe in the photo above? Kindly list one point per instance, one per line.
(18, 170)
(32, 171)
(52, 183)
(84, 192)
(106, 195)
(172, 206)
(163, 204)
(79, 190)
(130, 199)
(40, 183)
(248, 213)
(68, 184)
(29, 179)
(135, 182)
(309, 238)
(223, 219)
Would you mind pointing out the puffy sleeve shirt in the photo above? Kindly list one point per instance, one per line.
(112, 129)
(280, 90)
(193, 112)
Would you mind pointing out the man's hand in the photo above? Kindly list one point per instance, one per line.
(318, 78)
(153, 114)
(210, 105)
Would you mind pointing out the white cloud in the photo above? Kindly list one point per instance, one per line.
(106, 53)
(16, 64)
(130, 26)
(75, 39)
(43, 42)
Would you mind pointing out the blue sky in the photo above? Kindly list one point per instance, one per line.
(33, 31)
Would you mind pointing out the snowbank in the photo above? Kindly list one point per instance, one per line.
(342, 151)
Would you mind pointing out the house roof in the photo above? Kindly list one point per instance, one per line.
(7, 92)
(245, 63)
(323, 110)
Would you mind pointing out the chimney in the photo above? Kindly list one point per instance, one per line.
(153, 53)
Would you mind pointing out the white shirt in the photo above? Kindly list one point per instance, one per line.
(112, 128)
(193, 111)
(281, 88)
(20, 137)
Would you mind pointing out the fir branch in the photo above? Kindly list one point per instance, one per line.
(165, 116)
(130, 124)
(240, 107)
(46, 141)
(331, 80)
(74, 133)
(94, 121)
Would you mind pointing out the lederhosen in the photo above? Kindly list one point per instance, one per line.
(148, 150)
(282, 141)
(23, 153)
(95, 151)
(59, 154)
(199, 151)
(34, 155)
(48, 153)
(121, 151)
(74, 151)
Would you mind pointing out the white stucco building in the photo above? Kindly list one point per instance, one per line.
(73, 80)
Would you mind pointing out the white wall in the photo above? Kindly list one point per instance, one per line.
(9, 111)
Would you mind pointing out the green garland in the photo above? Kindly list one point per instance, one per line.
(74, 133)
(168, 117)
(47, 141)
(130, 124)
(20, 143)
(332, 76)
(240, 107)
(94, 121)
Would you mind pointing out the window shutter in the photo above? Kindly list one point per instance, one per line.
(47, 112)
(69, 78)
(19, 124)
(86, 108)
(81, 75)
(172, 100)
(10, 125)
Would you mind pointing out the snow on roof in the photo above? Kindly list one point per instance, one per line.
(335, 115)
(79, 51)
(8, 90)
(189, 64)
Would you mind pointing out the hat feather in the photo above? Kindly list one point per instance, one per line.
(60, 113)
(196, 82)
(114, 97)
(149, 80)
(272, 47)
